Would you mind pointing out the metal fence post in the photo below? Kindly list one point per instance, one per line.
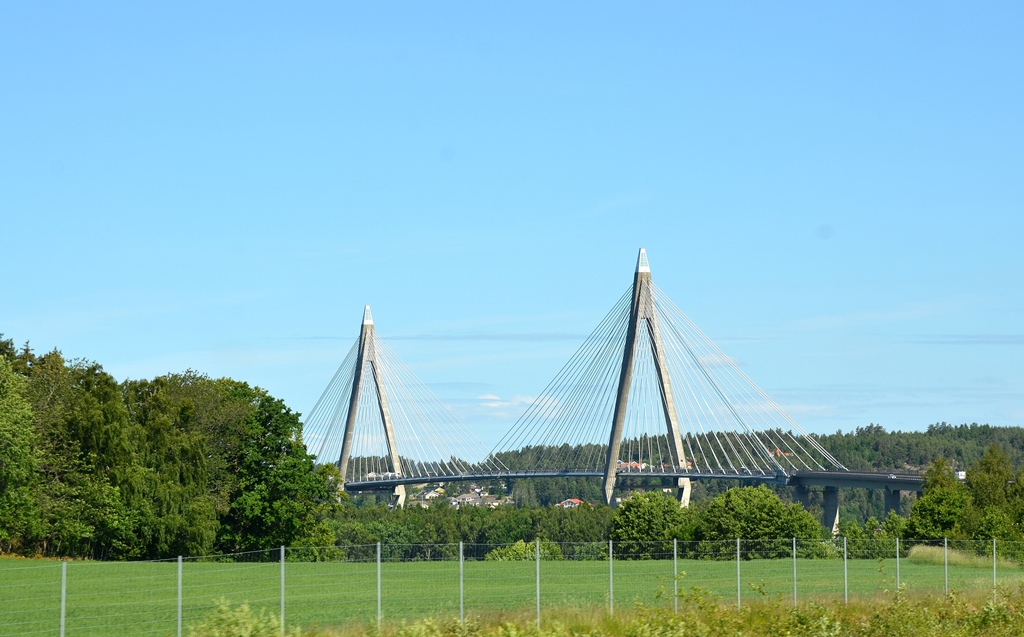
(675, 576)
(63, 594)
(739, 604)
(611, 585)
(993, 569)
(846, 578)
(179, 596)
(945, 564)
(462, 595)
(897, 568)
(538, 582)
(378, 585)
(282, 591)
(794, 572)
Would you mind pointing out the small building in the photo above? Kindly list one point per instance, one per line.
(571, 503)
(467, 499)
(630, 466)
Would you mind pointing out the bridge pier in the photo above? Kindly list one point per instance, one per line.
(830, 519)
(803, 496)
(892, 502)
(683, 492)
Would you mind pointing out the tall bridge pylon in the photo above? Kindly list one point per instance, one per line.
(643, 331)
(649, 394)
(379, 424)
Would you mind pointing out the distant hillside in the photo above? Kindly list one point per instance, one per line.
(872, 448)
(869, 448)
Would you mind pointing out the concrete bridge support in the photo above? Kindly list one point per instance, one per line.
(830, 519)
(830, 505)
(683, 492)
(803, 496)
(892, 502)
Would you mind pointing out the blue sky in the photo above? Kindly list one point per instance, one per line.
(833, 193)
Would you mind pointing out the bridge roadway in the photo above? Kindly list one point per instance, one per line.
(890, 482)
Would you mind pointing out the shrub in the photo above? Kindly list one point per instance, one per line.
(237, 621)
(521, 551)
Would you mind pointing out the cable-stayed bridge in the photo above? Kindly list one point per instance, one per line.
(648, 395)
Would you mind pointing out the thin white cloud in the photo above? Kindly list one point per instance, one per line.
(493, 401)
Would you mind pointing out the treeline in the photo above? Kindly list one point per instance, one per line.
(188, 465)
(872, 448)
(179, 465)
(869, 448)
(442, 524)
(642, 527)
(989, 504)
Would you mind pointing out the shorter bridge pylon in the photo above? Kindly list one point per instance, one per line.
(368, 370)
(384, 428)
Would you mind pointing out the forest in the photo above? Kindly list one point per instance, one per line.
(184, 464)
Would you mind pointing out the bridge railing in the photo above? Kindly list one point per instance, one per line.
(367, 583)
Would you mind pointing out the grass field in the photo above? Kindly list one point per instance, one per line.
(140, 598)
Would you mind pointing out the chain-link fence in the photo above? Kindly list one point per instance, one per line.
(367, 584)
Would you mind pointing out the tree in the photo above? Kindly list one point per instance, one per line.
(990, 478)
(277, 491)
(19, 508)
(943, 505)
(84, 458)
(642, 523)
(168, 488)
(753, 513)
(939, 476)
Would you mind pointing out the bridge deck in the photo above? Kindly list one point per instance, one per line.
(848, 479)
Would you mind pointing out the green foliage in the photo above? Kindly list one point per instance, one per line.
(940, 510)
(938, 476)
(989, 505)
(177, 465)
(420, 533)
(226, 620)
(171, 473)
(521, 551)
(19, 509)
(85, 451)
(754, 513)
(872, 448)
(185, 464)
(276, 490)
(644, 519)
(701, 615)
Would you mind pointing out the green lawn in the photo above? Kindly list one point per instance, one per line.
(117, 598)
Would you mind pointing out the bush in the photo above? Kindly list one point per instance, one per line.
(643, 523)
(755, 513)
(521, 551)
(237, 621)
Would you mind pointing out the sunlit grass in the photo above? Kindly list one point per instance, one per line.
(923, 554)
(123, 598)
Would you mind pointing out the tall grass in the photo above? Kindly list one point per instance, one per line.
(923, 554)
(699, 616)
